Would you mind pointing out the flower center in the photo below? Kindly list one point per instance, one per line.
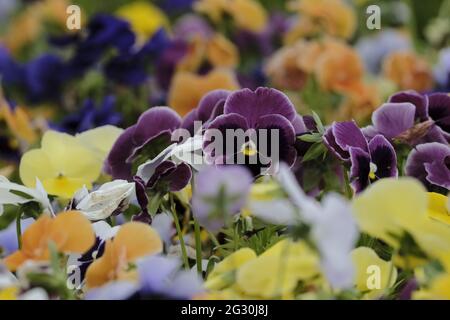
(249, 148)
(373, 170)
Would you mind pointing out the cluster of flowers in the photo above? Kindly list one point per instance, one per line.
(112, 185)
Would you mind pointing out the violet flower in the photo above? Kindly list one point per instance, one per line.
(253, 112)
(219, 193)
(430, 163)
(369, 161)
(413, 118)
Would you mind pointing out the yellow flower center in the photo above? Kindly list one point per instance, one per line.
(249, 148)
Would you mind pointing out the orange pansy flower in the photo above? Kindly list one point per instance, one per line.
(70, 231)
(132, 241)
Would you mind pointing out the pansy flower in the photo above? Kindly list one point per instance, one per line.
(144, 141)
(369, 161)
(430, 163)
(133, 240)
(252, 112)
(413, 118)
(69, 231)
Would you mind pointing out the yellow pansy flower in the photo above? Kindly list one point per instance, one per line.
(373, 275)
(391, 206)
(100, 139)
(63, 164)
(221, 52)
(9, 293)
(439, 207)
(145, 18)
(276, 273)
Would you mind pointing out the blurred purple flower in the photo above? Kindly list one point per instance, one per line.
(219, 193)
(90, 116)
(117, 290)
(430, 163)
(191, 25)
(413, 118)
(162, 277)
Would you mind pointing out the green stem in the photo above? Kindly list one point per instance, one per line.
(19, 229)
(180, 234)
(198, 246)
(348, 189)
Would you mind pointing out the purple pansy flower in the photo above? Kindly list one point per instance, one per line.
(430, 163)
(369, 161)
(144, 141)
(253, 112)
(413, 118)
(219, 193)
(210, 106)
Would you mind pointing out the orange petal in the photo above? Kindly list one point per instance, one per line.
(103, 269)
(15, 260)
(72, 232)
(34, 239)
(136, 239)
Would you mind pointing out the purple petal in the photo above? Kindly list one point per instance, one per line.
(117, 290)
(155, 121)
(360, 169)
(212, 104)
(116, 163)
(180, 177)
(392, 119)
(428, 163)
(341, 136)
(439, 111)
(299, 125)
(383, 155)
(419, 101)
(254, 104)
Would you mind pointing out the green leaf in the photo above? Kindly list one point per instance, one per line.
(319, 123)
(313, 137)
(315, 151)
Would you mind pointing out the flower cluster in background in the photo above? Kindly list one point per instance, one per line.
(101, 198)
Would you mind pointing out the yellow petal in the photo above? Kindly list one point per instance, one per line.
(135, 240)
(373, 274)
(36, 164)
(391, 206)
(64, 187)
(69, 157)
(437, 207)
(100, 139)
(72, 232)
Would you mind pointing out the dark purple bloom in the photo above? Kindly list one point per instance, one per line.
(219, 193)
(130, 68)
(379, 162)
(439, 112)
(173, 7)
(162, 277)
(141, 142)
(430, 163)
(90, 116)
(167, 62)
(11, 72)
(369, 161)
(341, 136)
(260, 115)
(44, 77)
(209, 107)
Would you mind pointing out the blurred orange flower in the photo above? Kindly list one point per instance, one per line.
(132, 241)
(188, 88)
(408, 71)
(70, 231)
(331, 17)
(221, 52)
